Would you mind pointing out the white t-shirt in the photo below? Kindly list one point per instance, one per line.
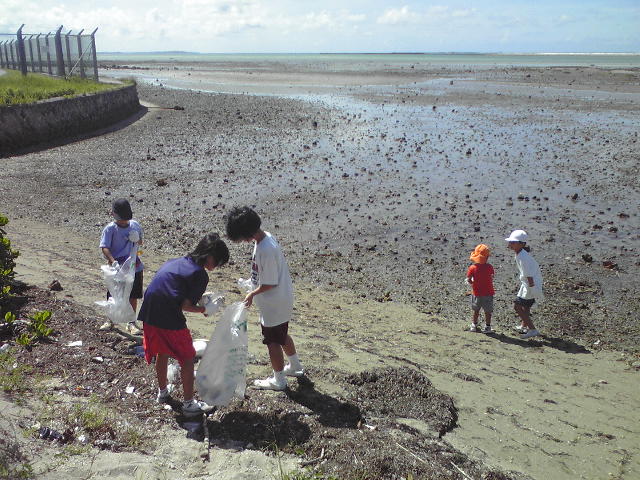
(269, 267)
(528, 267)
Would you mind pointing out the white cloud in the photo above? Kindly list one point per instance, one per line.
(396, 16)
(333, 25)
(432, 14)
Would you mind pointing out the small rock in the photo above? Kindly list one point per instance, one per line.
(587, 258)
(55, 286)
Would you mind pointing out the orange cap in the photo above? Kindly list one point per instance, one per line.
(480, 254)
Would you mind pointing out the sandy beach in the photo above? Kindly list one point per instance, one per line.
(379, 182)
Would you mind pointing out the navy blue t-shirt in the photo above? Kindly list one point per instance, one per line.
(177, 280)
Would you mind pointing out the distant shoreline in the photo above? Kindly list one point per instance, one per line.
(400, 59)
(181, 52)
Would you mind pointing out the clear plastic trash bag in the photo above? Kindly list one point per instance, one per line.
(119, 282)
(221, 373)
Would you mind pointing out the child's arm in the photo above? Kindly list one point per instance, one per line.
(187, 306)
(248, 300)
(107, 254)
(469, 278)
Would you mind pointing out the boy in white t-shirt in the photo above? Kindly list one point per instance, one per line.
(272, 292)
(530, 283)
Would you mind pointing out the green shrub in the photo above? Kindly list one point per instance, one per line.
(7, 263)
(39, 324)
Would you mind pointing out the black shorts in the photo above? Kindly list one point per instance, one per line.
(277, 334)
(525, 302)
(136, 289)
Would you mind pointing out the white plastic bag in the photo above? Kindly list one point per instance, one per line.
(245, 284)
(212, 301)
(221, 372)
(119, 281)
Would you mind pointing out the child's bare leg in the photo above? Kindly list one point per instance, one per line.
(186, 373)
(476, 314)
(162, 361)
(523, 313)
(518, 308)
(276, 356)
(487, 318)
(289, 347)
(134, 304)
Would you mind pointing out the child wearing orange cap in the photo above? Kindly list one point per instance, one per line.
(480, 277)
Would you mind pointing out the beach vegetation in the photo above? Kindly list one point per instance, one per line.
(96, 421)
(13, 462)
(13, 377)
(8, 257)
(33, 87)
(36, 330)
(9, 318)
(39, 326)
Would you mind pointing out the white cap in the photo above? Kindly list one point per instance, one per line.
(517, 236)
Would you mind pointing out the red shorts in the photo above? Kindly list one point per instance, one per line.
(277, 334)
(174, 343)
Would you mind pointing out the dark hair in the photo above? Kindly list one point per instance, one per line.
(121, 209)
(242, 223)
(211, 244)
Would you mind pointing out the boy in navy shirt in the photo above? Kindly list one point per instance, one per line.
(177, 287)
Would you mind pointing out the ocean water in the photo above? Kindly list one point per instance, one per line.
(611, 60)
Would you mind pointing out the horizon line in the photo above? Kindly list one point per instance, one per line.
(169, 52)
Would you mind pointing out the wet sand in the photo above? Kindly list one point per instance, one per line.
(378, 185)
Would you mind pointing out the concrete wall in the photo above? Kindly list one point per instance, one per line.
(57, 119)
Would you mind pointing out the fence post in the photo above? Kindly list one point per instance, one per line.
(59, 56)
(39, 53)
(3, 48)
(22, 57)
(46, 43)
(80, 54)
(69, 59)
(33, 63)
(1, 55)
(14, 65)
(94, 55)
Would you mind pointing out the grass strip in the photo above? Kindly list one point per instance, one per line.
(16, 88)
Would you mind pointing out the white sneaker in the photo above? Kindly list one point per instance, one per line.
(195, 407)
(487, 329)
(474, 327)
(106, 326)
(164, 396)
(530, 333)
(520, 329)
(289, 371)
(132, 329)
(270, 384)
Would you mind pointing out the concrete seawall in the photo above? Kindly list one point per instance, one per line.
(54, 120)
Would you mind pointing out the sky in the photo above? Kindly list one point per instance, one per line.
(337, 26)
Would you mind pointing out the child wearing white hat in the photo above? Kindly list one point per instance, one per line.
(530, 283)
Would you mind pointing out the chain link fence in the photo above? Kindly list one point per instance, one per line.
(60, 54)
